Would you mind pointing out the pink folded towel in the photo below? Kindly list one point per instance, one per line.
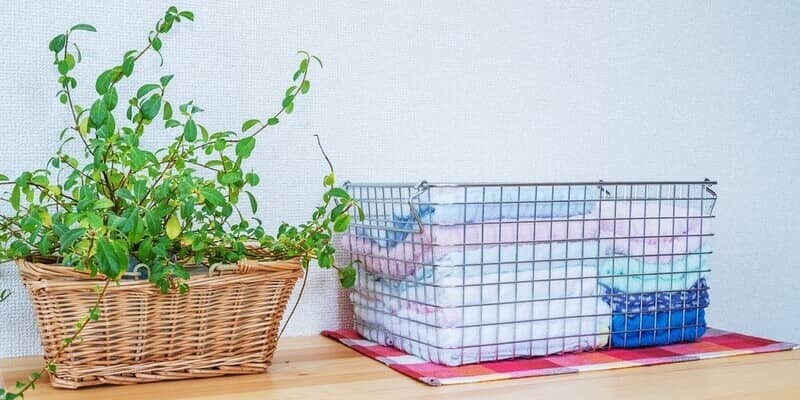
(641, 229)
(436, 241)
(649, 231)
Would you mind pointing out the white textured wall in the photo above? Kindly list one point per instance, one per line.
(467, 91)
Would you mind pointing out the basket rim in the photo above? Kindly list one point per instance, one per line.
(36, 268)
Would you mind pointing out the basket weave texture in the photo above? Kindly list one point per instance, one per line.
(225, 324)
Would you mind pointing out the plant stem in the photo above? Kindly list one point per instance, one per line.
(296, 303)
(47, 192)
(296, 92)
(321, 149)
(264, 125)
(71, 105)
(4, 294)
(170, 163)
(203, 166)
(65, 343)
(79, 171)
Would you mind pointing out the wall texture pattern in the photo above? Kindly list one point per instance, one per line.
(454, 90)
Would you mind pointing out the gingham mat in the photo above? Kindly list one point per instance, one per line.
(714, 344)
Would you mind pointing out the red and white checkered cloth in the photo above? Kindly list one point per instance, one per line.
(714, 344)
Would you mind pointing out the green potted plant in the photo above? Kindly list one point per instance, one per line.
(154, 243)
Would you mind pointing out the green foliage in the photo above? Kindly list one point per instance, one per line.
(171, 207)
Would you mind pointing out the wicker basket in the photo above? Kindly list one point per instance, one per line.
(226, 324)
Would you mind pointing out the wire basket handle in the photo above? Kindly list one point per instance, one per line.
(713, 194)
(421, 188)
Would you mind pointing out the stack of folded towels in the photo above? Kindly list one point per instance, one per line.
(502, 273)
(655, 275)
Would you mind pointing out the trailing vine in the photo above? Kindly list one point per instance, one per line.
(113, 204)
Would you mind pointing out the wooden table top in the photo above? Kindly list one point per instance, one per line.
(311, 368)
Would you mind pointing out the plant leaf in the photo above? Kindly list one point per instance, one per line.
(252, 179)
(249, 124)
(103, 203)
(212, 196)
(167, 111)
(69, 237)
(127, 66)
(58, 42)
(152, 222)
(190, 131)
(165, 79)
(156, 43)
(245, 147)
(15, 197)
(145, 89)
(151, 106)
(253, 202)
(145, 249)
(324, 259)
(347, 276)
(83, 27)
(340, 193)
(98, 113)
(341, 223)
(230, 178)
(173, 227)
(112, 257)
(104, 81)
(110, 98)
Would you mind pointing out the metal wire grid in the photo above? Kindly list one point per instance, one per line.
(492, 282)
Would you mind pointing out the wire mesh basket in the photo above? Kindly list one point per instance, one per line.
(467, 273)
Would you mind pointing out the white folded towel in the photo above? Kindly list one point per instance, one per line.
(487, 333)
(459, 315)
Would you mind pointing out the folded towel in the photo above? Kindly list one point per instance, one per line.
(484, 333)
(657, 328)
(481, 275)
(631, 275)
(438, 242)
(446, 205)
(695, 297)
(650, 229)
(507, 301)
(475, 307)
(646, 230)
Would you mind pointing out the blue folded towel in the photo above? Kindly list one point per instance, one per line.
(657, 328)
(695, 297)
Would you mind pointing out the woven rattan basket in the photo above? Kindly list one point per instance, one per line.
(225, 324)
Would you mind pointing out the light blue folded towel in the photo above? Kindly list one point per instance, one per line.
(443, 205)
(632, 275)
(468, 205)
